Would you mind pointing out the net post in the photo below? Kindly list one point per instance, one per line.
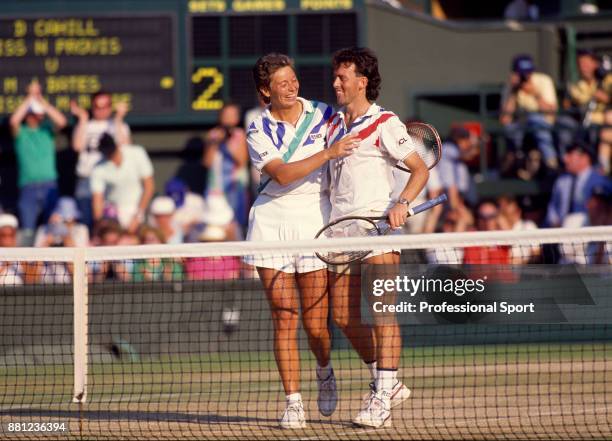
(80, 319)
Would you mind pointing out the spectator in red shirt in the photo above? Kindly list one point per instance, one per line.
(487, 220)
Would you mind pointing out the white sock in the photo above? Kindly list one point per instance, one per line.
(323, 372)
(372, 369)
(292, 398)
(386, 379)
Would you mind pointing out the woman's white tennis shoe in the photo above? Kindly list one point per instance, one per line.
(294, 417)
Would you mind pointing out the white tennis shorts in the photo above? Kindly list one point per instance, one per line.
(286, 218)
(355, 267)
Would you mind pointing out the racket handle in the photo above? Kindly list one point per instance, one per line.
(427, 205)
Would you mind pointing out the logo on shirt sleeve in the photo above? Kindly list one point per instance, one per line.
(263, 154)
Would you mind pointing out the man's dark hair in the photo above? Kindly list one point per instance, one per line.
(107, 145)
(264, 69)
(366, 64)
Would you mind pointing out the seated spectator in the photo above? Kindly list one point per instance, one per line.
(85, 139)
(215, 267)
(599, 212)
(107, 232)
(35, 152)
(155, 269)
(511, 218)
(123, 179)
(189, 205)
(454, 174)
(227, 159)
(218, 226)
(11, 273)
(162, 217)
(529, 105)
(487, 219)
(604, 150)
(572, 189)
(63, 230)
(454, 222)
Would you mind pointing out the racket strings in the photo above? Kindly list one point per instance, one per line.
(426, 142)
(348, 228)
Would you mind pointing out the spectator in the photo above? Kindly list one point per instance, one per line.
(570, 190)
(63, 230)
(219, 225)
(11, 273)
(85, 139)
(35, 151)
(529, 104)
(599, 212)
(155, 269)
(189, 205)
(587, 99)
(227, 159)
(605, 143)
(511, 218)
(454, 173)
(106, 232)
(123, 179)
(487, 220)
(163, 211)
(215, 267)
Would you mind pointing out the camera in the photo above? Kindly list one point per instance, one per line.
(58, 231)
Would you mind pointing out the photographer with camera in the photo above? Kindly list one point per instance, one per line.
(529, 105)
(226, 157)
(63, 230)
(586, 101)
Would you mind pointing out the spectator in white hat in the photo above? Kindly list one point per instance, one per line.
(11, 273)
(163, 210)
(218, 227)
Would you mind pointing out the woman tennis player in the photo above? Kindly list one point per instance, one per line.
(287, 144)
(361, 184)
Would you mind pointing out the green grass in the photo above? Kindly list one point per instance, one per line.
(256, 371)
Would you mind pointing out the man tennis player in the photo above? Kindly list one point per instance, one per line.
(287, 144)
(361, 184)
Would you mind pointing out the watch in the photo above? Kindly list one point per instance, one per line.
(403, 201)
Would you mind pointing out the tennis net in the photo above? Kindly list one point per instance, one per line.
(176, 342)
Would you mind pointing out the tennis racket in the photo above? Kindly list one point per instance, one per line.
(361, 226)
(427, 143)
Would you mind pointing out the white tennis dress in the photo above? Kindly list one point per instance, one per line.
(295, 211)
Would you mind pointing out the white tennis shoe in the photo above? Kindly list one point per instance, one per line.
(399, 394)
(328, 395)
(377, 413)
(294, 417)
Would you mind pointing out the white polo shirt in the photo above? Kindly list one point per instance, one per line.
(363, 181)
(269, 139)
(122, 185)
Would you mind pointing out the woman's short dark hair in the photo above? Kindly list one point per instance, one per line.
(264, 69)
(366, 64)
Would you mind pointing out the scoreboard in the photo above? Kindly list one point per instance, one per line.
(175, 61)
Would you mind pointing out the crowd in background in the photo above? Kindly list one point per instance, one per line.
(565, 148)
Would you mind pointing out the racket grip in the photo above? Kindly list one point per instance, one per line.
(427, 205)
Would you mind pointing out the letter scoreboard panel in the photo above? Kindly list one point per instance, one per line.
(175, 62)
